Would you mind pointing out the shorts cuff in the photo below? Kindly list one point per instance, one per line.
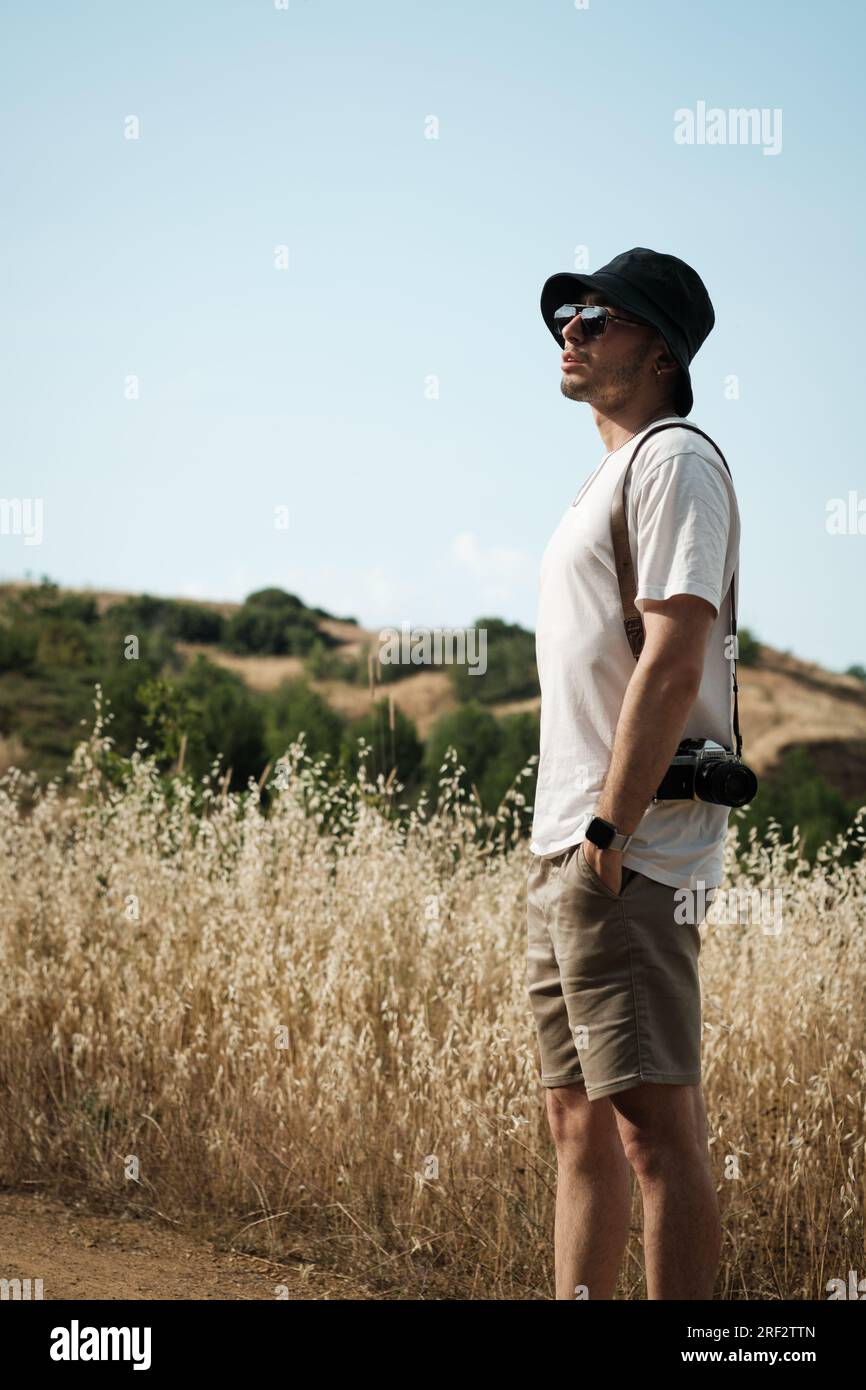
(565, 1079)
(627, 1083)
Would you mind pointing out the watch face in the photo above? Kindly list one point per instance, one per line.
(600, 833)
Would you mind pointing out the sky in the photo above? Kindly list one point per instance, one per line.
(271, 279)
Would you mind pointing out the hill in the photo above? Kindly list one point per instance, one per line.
(786, 702)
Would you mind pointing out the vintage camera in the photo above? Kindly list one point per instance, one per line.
(703, 770)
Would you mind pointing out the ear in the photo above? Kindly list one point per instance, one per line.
(663, 357)
(665, 366)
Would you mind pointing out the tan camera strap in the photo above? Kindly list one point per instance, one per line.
(625, 572)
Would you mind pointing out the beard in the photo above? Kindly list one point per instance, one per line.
(610, 389)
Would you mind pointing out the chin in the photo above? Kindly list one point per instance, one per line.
(574, 390)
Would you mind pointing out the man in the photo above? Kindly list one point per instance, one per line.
(612, 968)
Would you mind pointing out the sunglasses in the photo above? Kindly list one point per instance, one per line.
(593, 320)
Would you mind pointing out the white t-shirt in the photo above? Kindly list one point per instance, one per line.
(684, 531)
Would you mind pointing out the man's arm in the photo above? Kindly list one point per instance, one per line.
(655, 708)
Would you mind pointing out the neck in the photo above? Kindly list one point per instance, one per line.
(620, 425)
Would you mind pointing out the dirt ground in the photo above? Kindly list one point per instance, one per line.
(79, 1255)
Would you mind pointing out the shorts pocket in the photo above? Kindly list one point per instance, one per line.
(594, 879)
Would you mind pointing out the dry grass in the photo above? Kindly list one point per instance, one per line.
(12, 753)
(264, 673)
(309, 1026)
(423, 698)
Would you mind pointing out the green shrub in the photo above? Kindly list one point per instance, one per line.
(294, 709)
(18, 645)
(193, 623)
(797, 794)
(175, 621)
(63, 643)
(218, 714)
(274, 623)
(76, 608)
(399, 747)
(475, 735)
(511, 672)
(748, 647)
(519, 740)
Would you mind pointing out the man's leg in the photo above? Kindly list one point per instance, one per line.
(663, 1130)
(593, 1192)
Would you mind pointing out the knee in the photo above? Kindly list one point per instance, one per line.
(580, 1138)
(659, 1155)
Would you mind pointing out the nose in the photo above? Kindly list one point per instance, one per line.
(573, 330)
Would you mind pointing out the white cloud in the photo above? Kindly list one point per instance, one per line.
(380, 589)
(498, 568)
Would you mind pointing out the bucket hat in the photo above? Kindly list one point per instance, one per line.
(657, 288)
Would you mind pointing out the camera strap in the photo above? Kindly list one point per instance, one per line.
(632, 619)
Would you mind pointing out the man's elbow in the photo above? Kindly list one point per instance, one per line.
(677, 632)
(679, 672)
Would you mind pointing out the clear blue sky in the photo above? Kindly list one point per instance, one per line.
(411, 257)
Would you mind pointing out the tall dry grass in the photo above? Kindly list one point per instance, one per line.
(308, 1030)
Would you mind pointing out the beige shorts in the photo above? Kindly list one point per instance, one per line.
(612, 979)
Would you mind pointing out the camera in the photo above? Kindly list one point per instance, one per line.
(703, 770)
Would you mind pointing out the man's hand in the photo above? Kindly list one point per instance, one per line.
(606, 863)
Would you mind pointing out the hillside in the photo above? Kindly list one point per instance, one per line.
(785, 702)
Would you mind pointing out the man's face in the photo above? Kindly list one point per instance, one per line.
(608, 370)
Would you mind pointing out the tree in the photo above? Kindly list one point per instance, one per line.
(294, 709)
(511, 672)
(274, 622)
(218, 715)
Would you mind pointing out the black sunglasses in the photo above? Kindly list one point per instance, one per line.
(593, 319)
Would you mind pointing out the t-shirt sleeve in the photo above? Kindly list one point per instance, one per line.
(682, 517)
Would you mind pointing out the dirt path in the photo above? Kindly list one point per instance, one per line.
(77, 1254)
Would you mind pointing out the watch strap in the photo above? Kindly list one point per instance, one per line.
(615, 841)
(620, 842)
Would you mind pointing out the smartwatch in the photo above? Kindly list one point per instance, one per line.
(606, 836)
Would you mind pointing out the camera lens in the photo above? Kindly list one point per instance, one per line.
(726, 784)
(741, 786)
